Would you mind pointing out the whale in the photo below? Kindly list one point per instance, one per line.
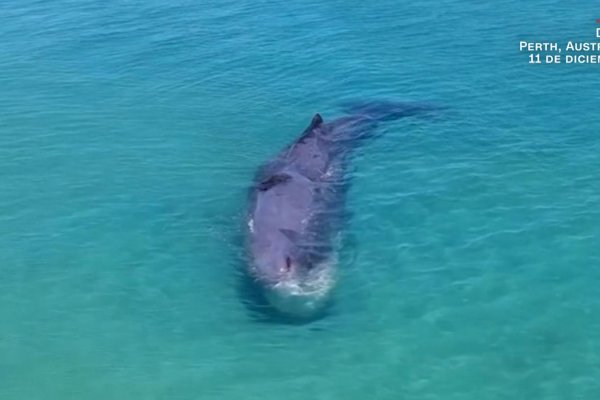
(296, 206)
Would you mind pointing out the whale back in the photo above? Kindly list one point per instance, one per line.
(297, 201)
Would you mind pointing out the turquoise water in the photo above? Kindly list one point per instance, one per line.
(129, 132)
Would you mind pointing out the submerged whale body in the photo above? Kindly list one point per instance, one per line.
(296, 207)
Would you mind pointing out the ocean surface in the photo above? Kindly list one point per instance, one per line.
(130, 131)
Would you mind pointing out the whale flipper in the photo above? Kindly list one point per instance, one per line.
(273, 180)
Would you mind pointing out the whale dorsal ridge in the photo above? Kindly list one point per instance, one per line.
(316, 122)
(273, 180)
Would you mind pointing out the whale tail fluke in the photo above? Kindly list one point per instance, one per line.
(383, 110)
(364, 117)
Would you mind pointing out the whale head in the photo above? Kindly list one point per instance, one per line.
(275, 258)
(295, 281)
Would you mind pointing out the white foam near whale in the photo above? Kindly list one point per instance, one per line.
(304, 296)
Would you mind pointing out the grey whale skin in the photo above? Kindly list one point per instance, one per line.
(296, 206)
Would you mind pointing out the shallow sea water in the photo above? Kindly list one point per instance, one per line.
(130, 130)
